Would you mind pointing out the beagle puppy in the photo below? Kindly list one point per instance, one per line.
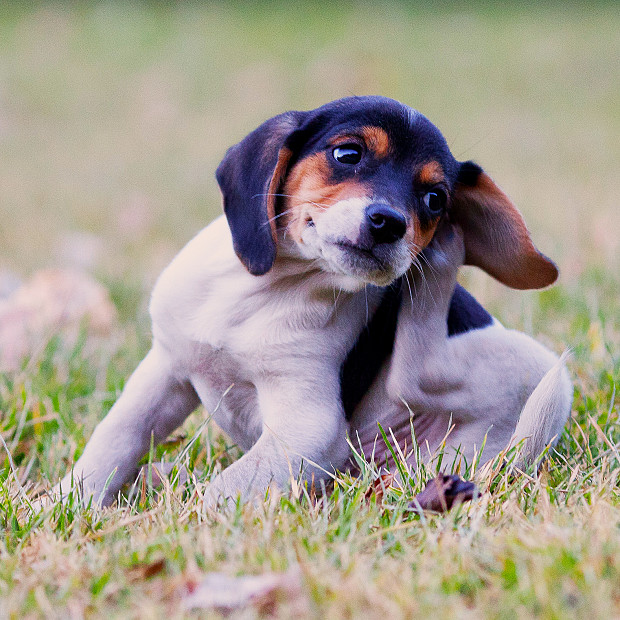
(326, 302)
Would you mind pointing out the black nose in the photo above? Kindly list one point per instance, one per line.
(386, 224)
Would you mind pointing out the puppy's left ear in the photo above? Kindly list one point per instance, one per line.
(496, 237)
(249, 176)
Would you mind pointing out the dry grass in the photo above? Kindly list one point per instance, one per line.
(112, 120)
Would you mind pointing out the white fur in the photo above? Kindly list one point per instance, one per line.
(341, 224)
(279, 340)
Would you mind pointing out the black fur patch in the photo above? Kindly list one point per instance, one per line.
(469, 173)
(466, 313)
(372, 348)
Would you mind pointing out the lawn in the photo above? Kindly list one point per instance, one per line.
(113, 117)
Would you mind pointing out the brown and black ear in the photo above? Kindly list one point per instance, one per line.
(249, 176)
(496, 237)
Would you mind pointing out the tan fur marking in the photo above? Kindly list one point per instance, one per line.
(377, 141)
(375, 138)
(309, 194)
(284, 157)
(430, 173)
(418, 238)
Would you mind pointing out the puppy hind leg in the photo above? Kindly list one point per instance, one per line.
(421, 360)
(435, 282)
(480, 379)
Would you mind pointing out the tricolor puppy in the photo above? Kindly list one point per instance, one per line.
(327, 299)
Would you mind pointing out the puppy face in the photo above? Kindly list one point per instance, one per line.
(365, 196)
(358, 187)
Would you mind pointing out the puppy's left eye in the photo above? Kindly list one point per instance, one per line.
(435, 201)
(348, 154)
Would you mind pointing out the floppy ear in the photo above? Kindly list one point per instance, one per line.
(496, 237)
(249, 176)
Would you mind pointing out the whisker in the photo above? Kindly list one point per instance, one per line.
(275, 217)
(433, 272)
(424, 258)
(417, 260)
(298, 198)
(409, 287)
(430, 291)
(418, 265)
(272, 194)
(336, 298)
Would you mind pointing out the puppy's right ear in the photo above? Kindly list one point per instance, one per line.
(250, 176)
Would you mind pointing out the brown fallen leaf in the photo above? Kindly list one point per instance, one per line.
(312, 491)
(225, 594)
(52, 302)
(379, 486)
(146, 571)
(443, 492)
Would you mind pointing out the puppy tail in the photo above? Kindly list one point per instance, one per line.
(545, 413)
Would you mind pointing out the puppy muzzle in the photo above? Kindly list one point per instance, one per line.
(363, 239)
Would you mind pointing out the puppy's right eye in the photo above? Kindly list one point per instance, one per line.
(348, 154)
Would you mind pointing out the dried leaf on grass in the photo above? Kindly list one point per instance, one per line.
(225, 594)
(52, 301)
(379, 487)
(146, 571)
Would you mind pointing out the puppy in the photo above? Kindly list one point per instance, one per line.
(326, 301)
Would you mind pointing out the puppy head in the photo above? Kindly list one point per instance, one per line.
(359, 186)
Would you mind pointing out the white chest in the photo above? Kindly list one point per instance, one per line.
(227, 329)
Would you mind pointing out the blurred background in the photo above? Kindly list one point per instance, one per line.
(114, 116)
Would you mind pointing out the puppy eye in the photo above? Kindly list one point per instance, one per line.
(435, 201)
(348, 154)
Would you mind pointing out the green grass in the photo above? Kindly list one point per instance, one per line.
(113, 117)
